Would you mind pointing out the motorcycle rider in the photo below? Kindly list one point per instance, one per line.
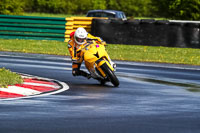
(77, 39)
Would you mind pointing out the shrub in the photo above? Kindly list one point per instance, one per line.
(177, 9)
(9, 78)
(11, 7)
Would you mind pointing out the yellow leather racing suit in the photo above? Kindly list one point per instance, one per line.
(74, 48)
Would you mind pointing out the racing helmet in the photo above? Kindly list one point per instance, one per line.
(80, 36)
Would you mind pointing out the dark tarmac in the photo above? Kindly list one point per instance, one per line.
(151, 98)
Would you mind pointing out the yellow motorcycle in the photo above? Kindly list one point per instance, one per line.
(98, 62)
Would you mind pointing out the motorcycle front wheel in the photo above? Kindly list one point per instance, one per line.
(110, 74)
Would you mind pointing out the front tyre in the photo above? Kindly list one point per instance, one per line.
(110, 74)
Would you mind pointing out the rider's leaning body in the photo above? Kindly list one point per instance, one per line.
(75, 44)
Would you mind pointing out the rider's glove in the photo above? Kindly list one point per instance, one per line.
(103, 43)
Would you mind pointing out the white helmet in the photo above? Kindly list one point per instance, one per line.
(80, 36)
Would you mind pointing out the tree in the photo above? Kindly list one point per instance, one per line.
(130, 7)
(99, 4)
(11, 7)
(185, 9)
(177, 9)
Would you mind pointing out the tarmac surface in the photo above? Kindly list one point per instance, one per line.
(151, 98)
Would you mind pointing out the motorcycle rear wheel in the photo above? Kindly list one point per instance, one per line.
(110, 74)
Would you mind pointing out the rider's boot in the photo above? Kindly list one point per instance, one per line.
(85, 74)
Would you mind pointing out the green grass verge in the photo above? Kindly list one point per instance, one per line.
(9, 78)
(155, 54)
(116, 51)
(78, 15)
(34, 46)
(52, 15)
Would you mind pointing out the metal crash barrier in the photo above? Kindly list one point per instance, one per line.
(41, 28)
(74, 22)
(28, 27)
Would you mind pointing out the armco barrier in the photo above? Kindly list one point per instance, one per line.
(41, 28)
(74, 22)
(148, 32)
(27, 27)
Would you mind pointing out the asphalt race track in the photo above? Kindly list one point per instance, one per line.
(151, 98)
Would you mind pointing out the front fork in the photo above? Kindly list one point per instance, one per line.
(99, 63)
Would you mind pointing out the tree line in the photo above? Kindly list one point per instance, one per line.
(173, 9)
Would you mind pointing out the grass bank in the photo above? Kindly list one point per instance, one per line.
(78, 15)
(9, 78)
(34, 46)
(52, 15)
(155, 54)
(116, 51)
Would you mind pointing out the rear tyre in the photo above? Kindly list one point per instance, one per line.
(110, 74)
